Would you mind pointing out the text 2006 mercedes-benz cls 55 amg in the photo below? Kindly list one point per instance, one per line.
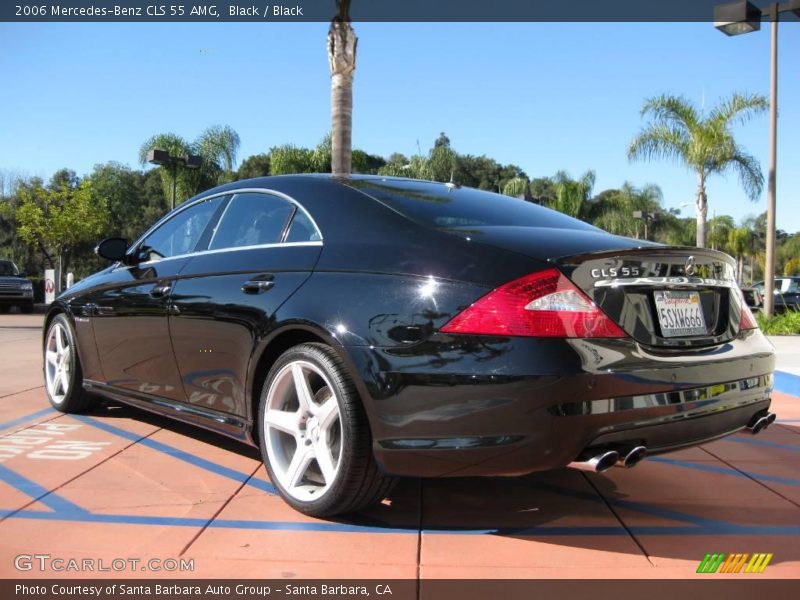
(362, 328)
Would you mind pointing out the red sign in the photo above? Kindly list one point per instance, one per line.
(49, 286)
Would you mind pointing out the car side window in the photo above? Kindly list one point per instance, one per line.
(180, 234)
(252, 219)
(302, 229)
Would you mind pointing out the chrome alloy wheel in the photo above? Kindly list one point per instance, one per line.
(303, 431)
(58, 363)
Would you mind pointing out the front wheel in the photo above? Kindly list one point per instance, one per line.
(63, 377)
(314, 435)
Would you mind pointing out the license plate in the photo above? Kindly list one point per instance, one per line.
(680, 314)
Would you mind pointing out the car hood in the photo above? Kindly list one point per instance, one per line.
(12, 279)
(547, 243)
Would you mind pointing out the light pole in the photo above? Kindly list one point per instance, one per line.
(740, 17)
(165, 159)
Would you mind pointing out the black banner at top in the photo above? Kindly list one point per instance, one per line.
(360, 10)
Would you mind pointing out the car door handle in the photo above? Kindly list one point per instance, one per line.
(259, 284)
(160, 290)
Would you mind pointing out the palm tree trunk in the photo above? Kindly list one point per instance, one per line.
(702, 211)
(342, 43)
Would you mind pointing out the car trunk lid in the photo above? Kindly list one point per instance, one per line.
(659, 295)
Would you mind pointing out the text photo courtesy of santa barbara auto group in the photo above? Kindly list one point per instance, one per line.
(399, 299)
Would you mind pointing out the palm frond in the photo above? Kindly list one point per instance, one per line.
(675, 110)
(749, 171)
(739, 108)
(661, 140)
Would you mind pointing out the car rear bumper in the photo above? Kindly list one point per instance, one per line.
(496, 406)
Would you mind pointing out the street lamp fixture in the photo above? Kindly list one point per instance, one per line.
(165, 159)
(737, 17)
(740, 17)
(647, 217)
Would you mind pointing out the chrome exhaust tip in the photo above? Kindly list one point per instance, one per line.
(598, 463)
(633, 457)
(761, 423)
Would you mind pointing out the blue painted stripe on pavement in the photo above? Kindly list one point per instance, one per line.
(321, 526)
(37, 492)
(727, 471)
(765, 443)
(264, 486)
(656, 511)
(26, 418)
(787, 383)
(181, 455)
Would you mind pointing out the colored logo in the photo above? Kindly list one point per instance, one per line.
(734, 563)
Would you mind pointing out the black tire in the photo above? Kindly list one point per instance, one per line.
(358, 481)
(26, 308)
(76, 399)
(4, 309)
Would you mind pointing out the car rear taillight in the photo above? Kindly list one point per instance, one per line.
(746, 318)
(544, 304)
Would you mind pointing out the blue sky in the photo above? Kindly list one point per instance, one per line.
(544, 96)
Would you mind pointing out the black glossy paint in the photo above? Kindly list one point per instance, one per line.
(377, 288)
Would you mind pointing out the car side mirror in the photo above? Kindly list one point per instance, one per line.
(112, 249)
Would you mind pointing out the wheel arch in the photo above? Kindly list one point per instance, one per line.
(279, 341)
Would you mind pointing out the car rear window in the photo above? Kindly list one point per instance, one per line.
(445, 207)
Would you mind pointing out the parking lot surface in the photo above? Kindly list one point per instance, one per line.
(119, 483)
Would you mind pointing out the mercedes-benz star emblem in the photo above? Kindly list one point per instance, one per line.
(689, 269)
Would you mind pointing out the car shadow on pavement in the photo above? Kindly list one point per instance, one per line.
(622, 511)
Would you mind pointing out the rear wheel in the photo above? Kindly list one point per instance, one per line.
(314, 435)
(63, 377)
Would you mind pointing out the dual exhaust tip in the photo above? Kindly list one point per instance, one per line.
(630, 457)
(626, 458)
(760, 422)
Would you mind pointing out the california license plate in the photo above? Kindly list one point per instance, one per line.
(680, 314)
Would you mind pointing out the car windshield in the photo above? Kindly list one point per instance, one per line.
(7, 268)
(444, 206)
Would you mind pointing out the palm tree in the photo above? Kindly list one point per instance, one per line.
(342, 43)
(738, 245)
(703, 142)
(571, 194)
(217, 147)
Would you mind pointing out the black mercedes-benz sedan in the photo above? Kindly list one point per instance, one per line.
(363, 328)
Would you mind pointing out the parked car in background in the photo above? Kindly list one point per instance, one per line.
(361, 328)
(15, 288)
(787, 292)
(753, 297)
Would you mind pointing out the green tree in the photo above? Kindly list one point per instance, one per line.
(543, 190)
(702, 142)
(56, 218)
(614, 210)
(257, 165)
(738, 246)
(342, 42)
(572, 194)
(719, 231)
(518, 188)
(217, 147)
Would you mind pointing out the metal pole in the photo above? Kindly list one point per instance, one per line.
(769, 275)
